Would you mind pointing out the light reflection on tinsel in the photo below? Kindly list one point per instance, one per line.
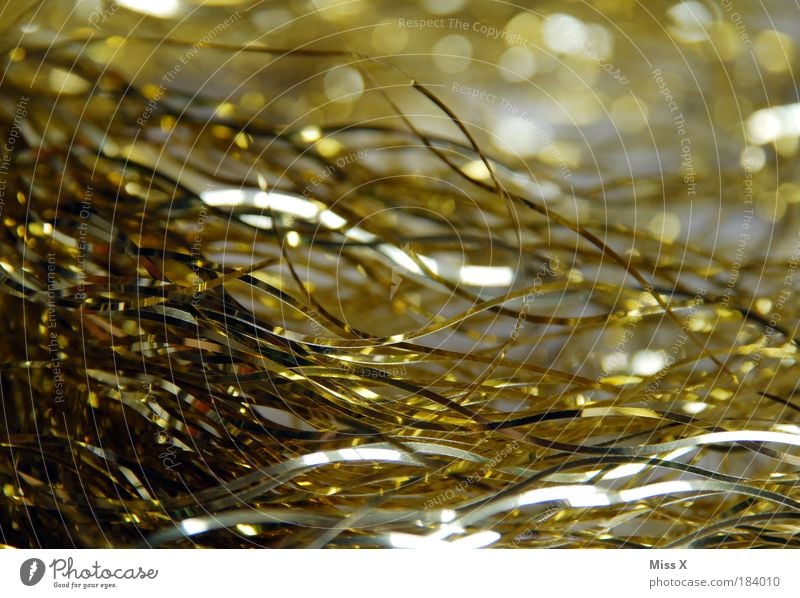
(241, 329)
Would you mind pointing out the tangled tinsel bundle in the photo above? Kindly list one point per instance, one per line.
(306, 290)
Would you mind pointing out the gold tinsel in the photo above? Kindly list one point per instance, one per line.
(367, 274)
